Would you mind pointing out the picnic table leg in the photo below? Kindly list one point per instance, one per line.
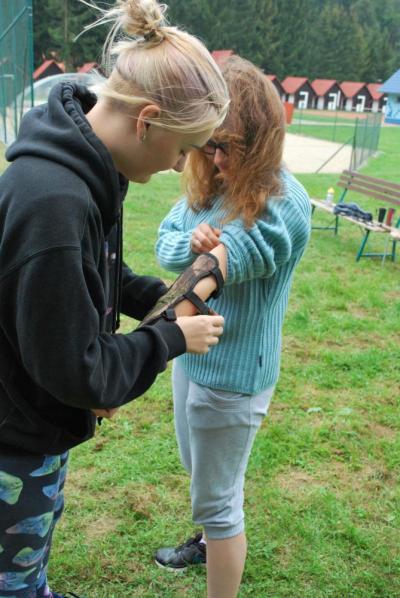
(362, 246)
(393, 257)
(336, 224)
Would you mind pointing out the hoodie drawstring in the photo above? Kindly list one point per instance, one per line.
(118, 276)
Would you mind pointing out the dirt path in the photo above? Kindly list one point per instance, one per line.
(307, 154)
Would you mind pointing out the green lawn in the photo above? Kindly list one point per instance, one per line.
(327, 116)
(336, 133)
(331, 126)
(322, 499)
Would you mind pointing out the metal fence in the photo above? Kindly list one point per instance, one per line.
(366, 139)
(358, 132)
(16, 65)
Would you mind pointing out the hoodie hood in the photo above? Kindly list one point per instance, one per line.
(59, 131)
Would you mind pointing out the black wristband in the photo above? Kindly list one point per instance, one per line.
(216, 272)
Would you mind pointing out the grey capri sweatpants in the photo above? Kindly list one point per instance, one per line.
(215, 430)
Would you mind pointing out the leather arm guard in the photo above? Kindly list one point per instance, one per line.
(182, 288)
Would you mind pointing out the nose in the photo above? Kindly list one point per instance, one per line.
(220, 159)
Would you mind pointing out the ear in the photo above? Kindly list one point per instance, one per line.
(149, 112)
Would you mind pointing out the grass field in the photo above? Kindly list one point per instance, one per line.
(336, 133)
(330, 126)
(322, 499)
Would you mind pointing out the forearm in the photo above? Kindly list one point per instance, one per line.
(206, 286)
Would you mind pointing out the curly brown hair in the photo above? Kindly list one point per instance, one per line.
(254, 129)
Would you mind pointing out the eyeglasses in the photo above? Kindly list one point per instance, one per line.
(211, 147)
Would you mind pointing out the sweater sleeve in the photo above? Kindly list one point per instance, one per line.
(173, 245)
(273, 240)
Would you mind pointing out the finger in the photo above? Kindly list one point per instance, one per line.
(214, 242)
(100, 414)
(218, 331)
(196, 243)
(206, 244)
(204, 240)
(209, 236)
(212, 236)
(217, 320)
(112, 411)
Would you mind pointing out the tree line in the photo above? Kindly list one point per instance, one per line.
(355, 40)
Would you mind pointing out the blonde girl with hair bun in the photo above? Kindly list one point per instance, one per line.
(64, 283)
(151, 62)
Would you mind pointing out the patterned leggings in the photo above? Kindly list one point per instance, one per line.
(31, 503)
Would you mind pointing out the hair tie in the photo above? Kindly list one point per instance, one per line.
(150, 35)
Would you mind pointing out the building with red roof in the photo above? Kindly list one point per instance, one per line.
(221, 56)
(88, 67)
(49, 67)
(327, 94)
(278, 86)
(356, 96)
(379, 98)
(298, 91)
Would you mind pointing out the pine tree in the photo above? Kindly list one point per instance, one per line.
(341, 39)
(56, 25)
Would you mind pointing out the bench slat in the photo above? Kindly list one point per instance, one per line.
(389, 185)
(371, 193)
(351, 183)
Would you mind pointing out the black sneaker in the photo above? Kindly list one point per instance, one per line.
(192, 552)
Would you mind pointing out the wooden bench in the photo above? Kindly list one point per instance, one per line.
(381, 190)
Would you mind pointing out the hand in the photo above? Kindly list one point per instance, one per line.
(108, 413)
(204, 238)
(201, 332)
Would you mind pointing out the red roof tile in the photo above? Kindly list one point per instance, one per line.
(293, 84)
(322, 86)
(373, 90)
(43, 67)
(221, 55)
(351, 88)
(87, 67)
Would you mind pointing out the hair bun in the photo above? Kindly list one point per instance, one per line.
(143, 18)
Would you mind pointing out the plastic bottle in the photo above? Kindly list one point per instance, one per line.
(330, 194)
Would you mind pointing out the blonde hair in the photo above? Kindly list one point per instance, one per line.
(154, 63)
(255, 131)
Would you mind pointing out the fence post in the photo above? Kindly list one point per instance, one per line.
(30, 48)
(334, 126)
(353, 159)
(16, 64)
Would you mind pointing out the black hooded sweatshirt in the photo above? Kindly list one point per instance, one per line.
(62, 282)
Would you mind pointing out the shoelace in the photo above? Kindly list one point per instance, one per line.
(190, 541)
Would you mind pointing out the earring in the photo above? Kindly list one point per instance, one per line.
(143, 139)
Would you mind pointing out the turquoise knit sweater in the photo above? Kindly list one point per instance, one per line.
(261, 263)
